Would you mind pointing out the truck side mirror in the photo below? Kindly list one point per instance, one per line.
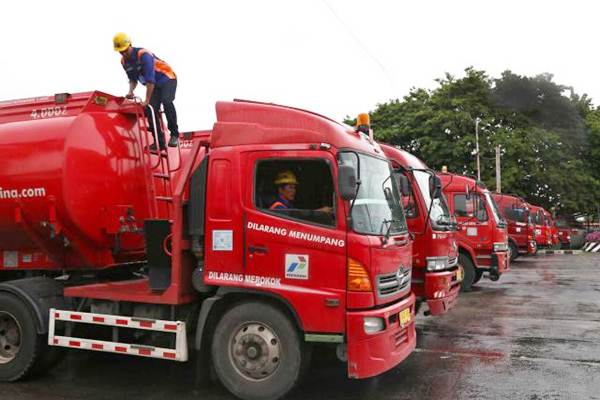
(467, 193)
(347, 181)
(435, 186)
(402, 181)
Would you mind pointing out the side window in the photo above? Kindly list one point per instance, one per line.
(460, 206)
(300, 189)
(474, 207)
(480, 211)
(408, 201)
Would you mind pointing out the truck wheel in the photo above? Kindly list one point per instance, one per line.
(514, 251)
(20, 345)
(469, 270)
(478, 275)
(257, 352)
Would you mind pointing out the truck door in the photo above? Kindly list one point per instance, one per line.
(472, 219)
(294, 241)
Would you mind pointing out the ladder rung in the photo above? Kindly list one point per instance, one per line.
(162, 176)
(164, 198)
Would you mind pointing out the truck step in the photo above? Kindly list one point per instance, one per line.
(164, 198)
(162, 176)
(178, 328)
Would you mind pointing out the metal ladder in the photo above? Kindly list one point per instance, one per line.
(160, 188)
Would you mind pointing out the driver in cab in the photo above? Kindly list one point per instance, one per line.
(286, 184)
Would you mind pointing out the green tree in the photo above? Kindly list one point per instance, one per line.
(550, 136)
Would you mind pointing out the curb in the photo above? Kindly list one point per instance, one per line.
(544, 252)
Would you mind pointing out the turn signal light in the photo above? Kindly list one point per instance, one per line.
(358, 278)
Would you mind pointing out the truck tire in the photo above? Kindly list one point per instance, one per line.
(257, 352)
(469, 270)
(514, 251)
(20, 345)
(478, 275)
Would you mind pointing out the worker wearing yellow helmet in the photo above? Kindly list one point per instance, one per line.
(286, 183)
(161, 84)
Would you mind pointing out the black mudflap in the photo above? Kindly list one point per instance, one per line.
(159, 262)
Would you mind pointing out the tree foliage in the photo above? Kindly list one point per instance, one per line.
(549, 135)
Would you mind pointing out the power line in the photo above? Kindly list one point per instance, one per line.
(362, 45)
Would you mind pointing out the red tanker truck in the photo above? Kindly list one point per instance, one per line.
(552, 230)
(436, 273)
(521, 231)
(109, 247)
(543, 234)
(482, 236)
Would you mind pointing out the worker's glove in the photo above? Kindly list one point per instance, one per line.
(129, 96)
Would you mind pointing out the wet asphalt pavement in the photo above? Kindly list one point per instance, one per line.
(535, 334)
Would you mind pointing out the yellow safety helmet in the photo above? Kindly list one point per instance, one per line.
(121, 41)
(286, 178)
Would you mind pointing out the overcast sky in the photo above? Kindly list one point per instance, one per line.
(335, 57)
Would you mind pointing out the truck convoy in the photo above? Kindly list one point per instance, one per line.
(482, 236)
(521, 232)
(436, 273)
(147, 250)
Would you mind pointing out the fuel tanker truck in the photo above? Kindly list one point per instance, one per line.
(276, 231)
(436, 274)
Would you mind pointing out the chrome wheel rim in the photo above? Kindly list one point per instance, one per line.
(10, 337)
(255, 351)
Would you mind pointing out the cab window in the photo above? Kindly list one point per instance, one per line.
(473, 207)
(408, 201)
(296, 189)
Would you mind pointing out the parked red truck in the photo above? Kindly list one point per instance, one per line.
(521, 232)
(543, 231)
(552, 230)
(482, 236)
(436, 273)
(104, 233)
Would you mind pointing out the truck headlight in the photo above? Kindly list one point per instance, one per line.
(373, 325)
(437, 263)
(500, 246)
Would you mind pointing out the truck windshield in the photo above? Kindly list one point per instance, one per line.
(440, 215)
(377, 206)
(494, 208)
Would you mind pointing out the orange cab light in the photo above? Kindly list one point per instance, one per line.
(363, 119)
(358, 278)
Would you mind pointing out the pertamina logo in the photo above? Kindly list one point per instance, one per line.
(296, 266)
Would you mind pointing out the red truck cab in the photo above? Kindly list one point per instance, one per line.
(543, 234)
(482, 235)
(552, 230)
(436, 273)
(521, 235)
(275, 230)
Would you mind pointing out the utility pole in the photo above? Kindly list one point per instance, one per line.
(498, 173)
(477, 120)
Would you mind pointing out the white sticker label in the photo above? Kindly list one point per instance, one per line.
(296, 266)
(518, 229)
(11, 259)
(222, 240)
(471, 231)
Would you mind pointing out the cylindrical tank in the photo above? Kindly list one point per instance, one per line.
(73, 187)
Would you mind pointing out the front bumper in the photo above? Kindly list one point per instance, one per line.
(441, 290)
(500, 262)
(370, 355)
(531, 247)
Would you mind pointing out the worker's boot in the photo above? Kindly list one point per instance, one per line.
(173, 141)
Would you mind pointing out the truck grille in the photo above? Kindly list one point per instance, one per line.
(391, 284)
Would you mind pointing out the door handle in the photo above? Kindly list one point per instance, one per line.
(257, 250)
